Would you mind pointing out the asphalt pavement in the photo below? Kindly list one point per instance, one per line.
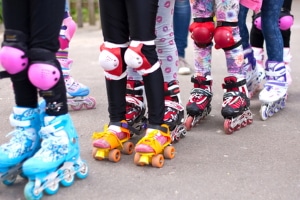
(258, 162)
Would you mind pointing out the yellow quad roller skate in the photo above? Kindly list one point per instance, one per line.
(154, 147)
(112, 141)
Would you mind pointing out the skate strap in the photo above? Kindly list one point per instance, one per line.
(201, 91)
(276, 73)
(231, 85)
(164, 129)
(18, 123)
(197, 81)
(126, 126)
(273, 83)
(4, 74)
(134, 92)
(232, 94)
(200, 19)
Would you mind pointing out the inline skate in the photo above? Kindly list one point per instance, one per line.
(199, 104)
(112, 141)
(77, 93)
(274, 94)
(154, 147)
(174, 111)
(254, 73)
(287, 57)
(135, 106)
(57, 162)
(235, 107)
(24, 143)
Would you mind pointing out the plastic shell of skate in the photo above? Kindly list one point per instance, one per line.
(77, 103)
(236, 123)
(157, 158)
(49, 183)
(117, 147)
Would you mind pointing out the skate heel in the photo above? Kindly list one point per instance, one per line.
(274, 94)
(235, 107)
(135, 106)
(154, 147)
(57, 161)
(22, 145)
(199, 104)
(112, 141)
(174, 111)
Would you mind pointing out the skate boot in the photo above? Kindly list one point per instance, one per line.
(235, 107)
(77, 93)
(57, 161)
(112, 141)
(287, 57)
(254, 73)
(154, 147)
(258, 54)
(174, 111)
(135, 106)
(274, 94)
(199, 104)
(23, 144)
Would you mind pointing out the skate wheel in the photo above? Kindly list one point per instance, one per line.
(263, 112)
(250, 121)
(128, 148)
(136, 159)
(114, 155)
(68, 179)
(244, 124)
(76, 107)
(52, 188)
(11, 180)
(30, 192)
(227, 128)
(238, 127)
(91, 104)
(158, 161)
(169, 152)
(188, 122)
(83, 171)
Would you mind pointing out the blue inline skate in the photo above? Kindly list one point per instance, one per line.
(24, 143)
(57, 162)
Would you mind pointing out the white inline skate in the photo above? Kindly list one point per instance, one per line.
(274, 94)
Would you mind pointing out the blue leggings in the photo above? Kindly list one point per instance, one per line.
(270, 12)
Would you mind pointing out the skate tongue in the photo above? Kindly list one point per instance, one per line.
(48, 119)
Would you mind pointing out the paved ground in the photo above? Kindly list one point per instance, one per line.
(259, 162)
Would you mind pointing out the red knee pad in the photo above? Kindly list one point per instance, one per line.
(202, 32)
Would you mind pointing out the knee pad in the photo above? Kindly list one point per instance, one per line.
(135, 58)
(223, 36)
(67, 31)
(13, 54)
(44, 71)
(111, 60)
(202, 32)
(257, 21)
(286, 21)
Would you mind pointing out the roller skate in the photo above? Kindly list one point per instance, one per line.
(254, 73)
(199, 104)
(77, 93)
(23, 144)
(274, 94)
(112, 141)
(57, 162)
(174, 111)
(154, 147)
(135, 106)
(235, 107)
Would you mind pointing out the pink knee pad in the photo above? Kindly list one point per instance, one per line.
(257, 23)
(67, 31)
(13, 60)
(43, 76)
(285, 22)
